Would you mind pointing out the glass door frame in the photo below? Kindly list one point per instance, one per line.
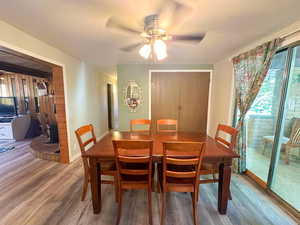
(280, 115)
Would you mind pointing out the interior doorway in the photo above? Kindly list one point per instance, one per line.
(109, 106)
(181, 95)
(32, 100)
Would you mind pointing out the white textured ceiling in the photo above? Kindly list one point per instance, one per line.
(78, 26)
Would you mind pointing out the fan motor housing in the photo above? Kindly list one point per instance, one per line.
(151, 26)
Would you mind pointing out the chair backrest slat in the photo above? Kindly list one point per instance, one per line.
(127, 155)
(87, 142)
(223, 141)
(85, 130)
(232, 132)
(186, 157)
(140, 122)
(179, 162)
(295, 126)
(80, 132)
(132, 144)
(177, 174)
(126, 159)
(166, 122)
(133, 172)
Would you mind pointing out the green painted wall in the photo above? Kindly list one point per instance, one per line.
(140, 73)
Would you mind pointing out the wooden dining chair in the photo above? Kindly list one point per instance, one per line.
(166, 122)
(135, 122)
(293, 142)
(134, 169)
(213, 169)
(180, 171)
(107, 168)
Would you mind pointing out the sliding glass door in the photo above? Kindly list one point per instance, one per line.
(273, 128)
(262, 118)
(285, 180)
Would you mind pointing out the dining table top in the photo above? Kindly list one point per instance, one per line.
(214, 150)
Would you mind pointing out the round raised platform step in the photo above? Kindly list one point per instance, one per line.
(41, 148)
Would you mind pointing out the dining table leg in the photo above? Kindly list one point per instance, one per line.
(224, 185)
(95, 177)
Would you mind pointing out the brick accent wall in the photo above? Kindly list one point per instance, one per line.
(58, 86)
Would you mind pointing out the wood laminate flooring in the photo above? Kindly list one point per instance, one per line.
(35, 191)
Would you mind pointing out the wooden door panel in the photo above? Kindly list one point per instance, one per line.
(164, 97)
(194, 90)
(182, 96)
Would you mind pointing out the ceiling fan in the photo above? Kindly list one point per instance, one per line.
(154, 37)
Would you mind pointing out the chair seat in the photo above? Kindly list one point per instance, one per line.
(177, 184)
(134, 184)
(108, 168)
(209, 166)
(271, 139)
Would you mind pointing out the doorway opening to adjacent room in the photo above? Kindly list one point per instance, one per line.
(109, 106)
(32, 105)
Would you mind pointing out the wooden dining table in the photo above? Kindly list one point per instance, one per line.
(215, 153)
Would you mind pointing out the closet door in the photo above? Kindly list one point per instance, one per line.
(164, 96)
(182, 96)
(194, 91)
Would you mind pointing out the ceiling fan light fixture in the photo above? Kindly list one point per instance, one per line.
(162, 55)
(160, 49)
(145, 51)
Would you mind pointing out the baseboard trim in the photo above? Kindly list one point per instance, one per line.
(102, 136)
(256, 179)
(75, 157)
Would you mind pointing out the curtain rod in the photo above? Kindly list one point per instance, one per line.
(284, 36)
(290, 34)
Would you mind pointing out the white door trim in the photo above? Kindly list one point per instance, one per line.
(185, 70)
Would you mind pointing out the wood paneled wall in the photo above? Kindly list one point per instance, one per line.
(21, 86)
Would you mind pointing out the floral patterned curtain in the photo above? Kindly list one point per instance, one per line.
(250, 70)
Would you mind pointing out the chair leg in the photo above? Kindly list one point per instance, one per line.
(230, 196)
(119, 207)
(116, 188)
(84, 188)
(150, 206)
(194, 201)
(214, 177)
(163, 207)
(264, 147)
(287, 151)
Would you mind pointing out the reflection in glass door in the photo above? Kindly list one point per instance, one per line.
(286, 179)
(262, 118)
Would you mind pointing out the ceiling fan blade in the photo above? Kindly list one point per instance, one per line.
(188, 38)
(172, 13)
(116, 24)
(131, 47)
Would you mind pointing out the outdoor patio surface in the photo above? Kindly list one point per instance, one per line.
(287, 176)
